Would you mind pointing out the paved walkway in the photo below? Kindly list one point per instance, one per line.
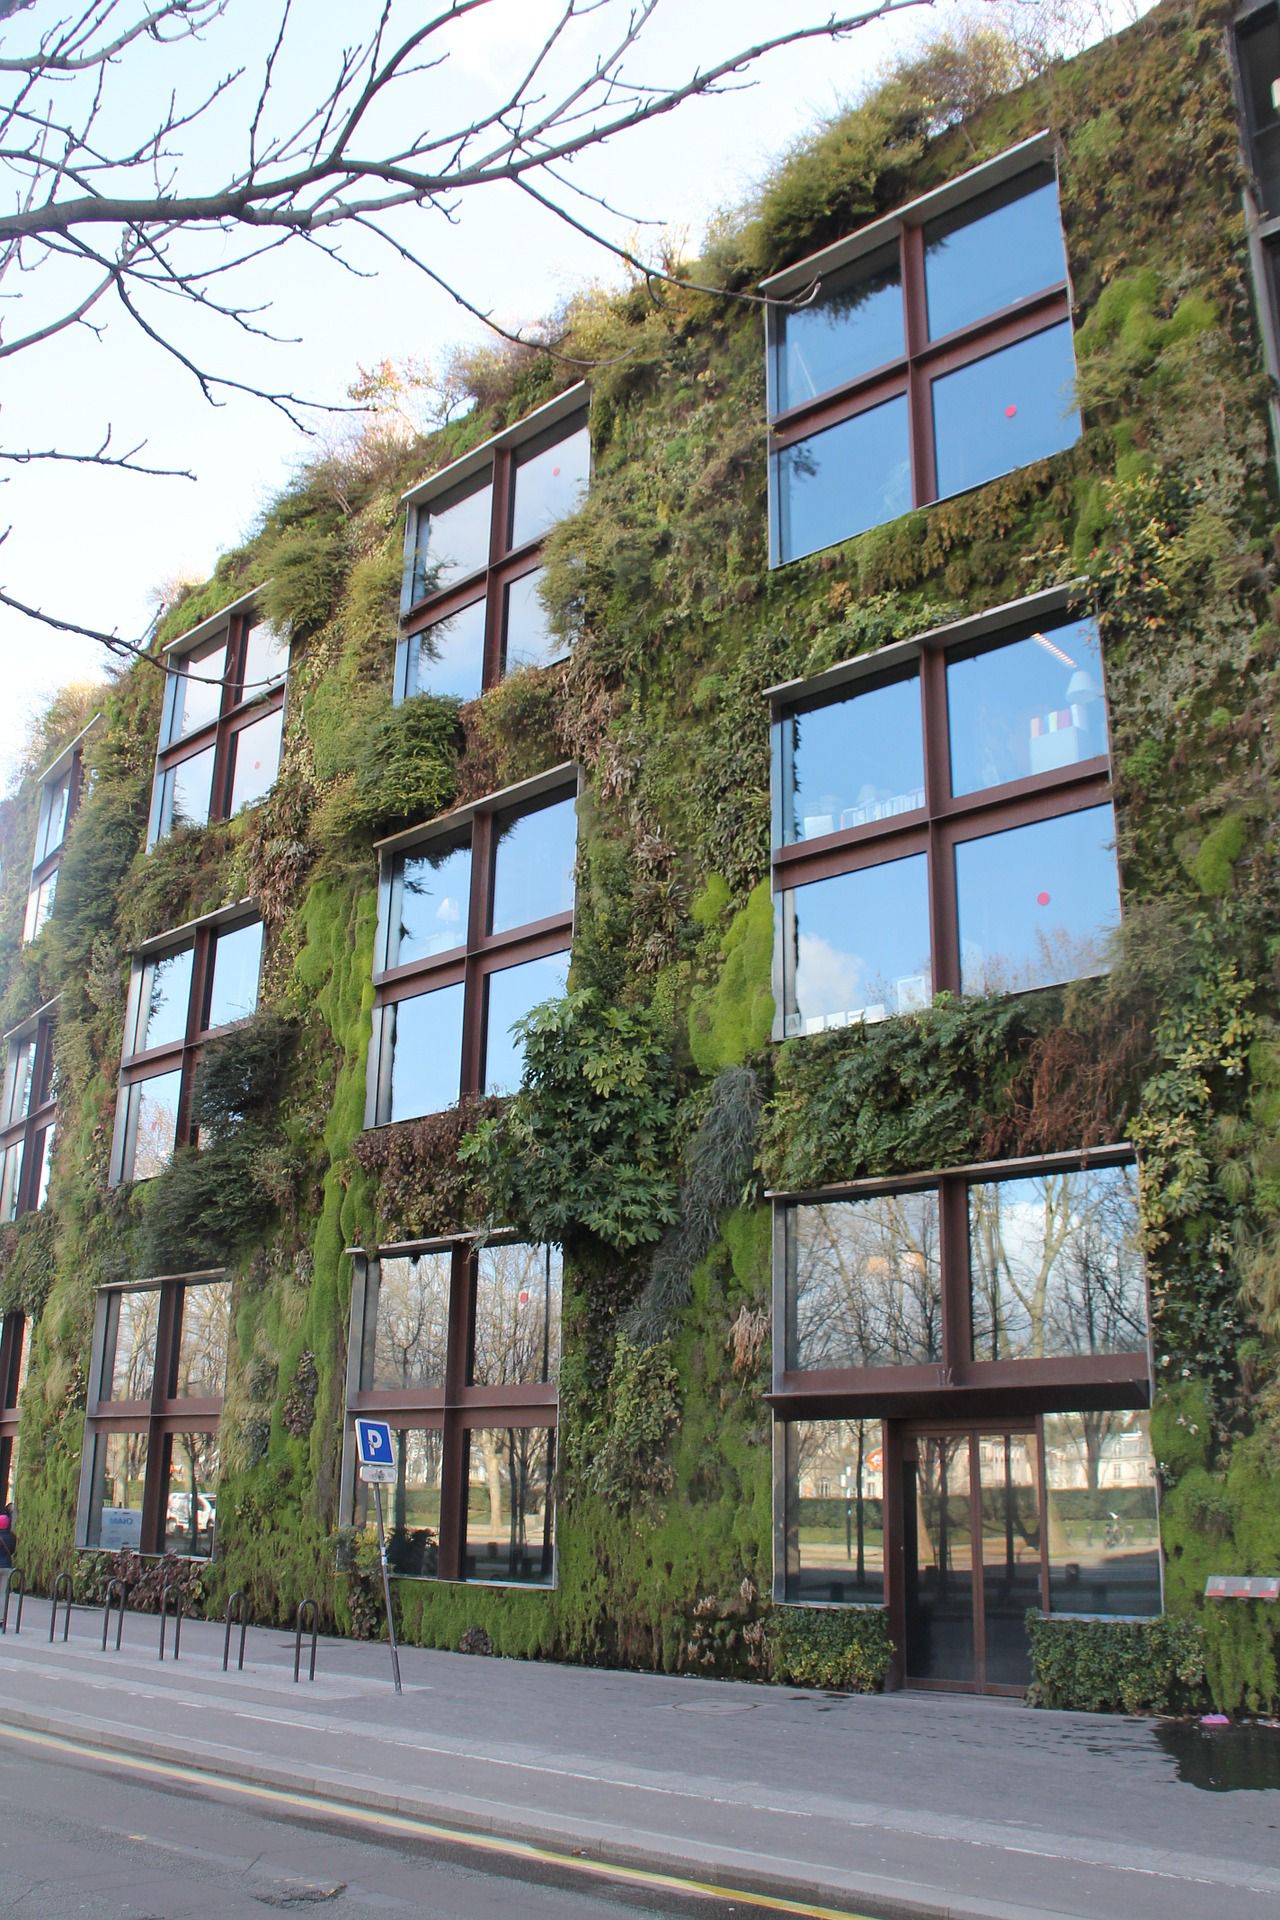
(920, 1805)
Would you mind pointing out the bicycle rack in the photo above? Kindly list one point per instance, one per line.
(62, 1590)
(239, 1606)
(170, 1605)
(20, 1577)
(118, 1588)
(305, 1607)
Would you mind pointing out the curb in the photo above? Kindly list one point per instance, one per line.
(611, 1846)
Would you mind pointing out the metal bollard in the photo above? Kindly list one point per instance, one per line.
(166, 1605)
(241, 1613)
(18, 1578)
(121, 1592)
(305, 1607)
(62, 1590)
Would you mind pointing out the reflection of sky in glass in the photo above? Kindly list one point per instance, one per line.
(857, 760)
(453, 541)
(1055, 1265)
(510, 994)
(430, 894)
(841, 481)
(533, 865)
(266, 659)
(10, 1180)
(237, 961)
(204, 1335)
(1036, 903)
(529, 639)
(858, 946)
(54, 803)
(197, 694)
(855, 324)
(864, 1283)
(188, 792)
(448, 657)
(1005, 410)
(548, 485)
(257, 759)
(137, 1317)
(517, 1317)
(44, 1164)
(154, 1107)
(412, 1329)
(426, 1065)
(977, 261)
(22, 1060)
(1100, 1492)
(1026, 707)
(165, 995)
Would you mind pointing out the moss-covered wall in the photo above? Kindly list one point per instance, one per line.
(1166, 507)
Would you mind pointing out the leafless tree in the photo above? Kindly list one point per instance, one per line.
(103, 215)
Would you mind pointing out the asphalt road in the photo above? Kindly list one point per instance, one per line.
(79, 1838)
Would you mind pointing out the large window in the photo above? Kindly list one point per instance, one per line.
(61, 788)
(935, 354)
(1257, 44)
(1023, 1276)
(28, 1113)
(149, 1478)
(474, 931)
(943, 819)
(458, 1346)
(221, 727)
(184, 987)
(15, 1352)
(472, 610)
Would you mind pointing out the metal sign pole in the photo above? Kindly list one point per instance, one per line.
(386, 1588)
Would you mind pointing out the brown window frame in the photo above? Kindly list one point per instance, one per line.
(15, 1334)
(68, 766)
(945, 821)
(480, 953)
(238, 707)
(493, 464)
(138, 1065)
(27, 1129)
(923, 360)
(957, 1386)
(160, 1415)
(454, 1410)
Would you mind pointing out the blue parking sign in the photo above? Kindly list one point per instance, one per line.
(373, 1443)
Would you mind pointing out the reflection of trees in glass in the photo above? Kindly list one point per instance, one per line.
(124, 1470)
(835, 1495)
(413, 1322)
(1055, 1265)
(517, 1319)
(864, 1282)
(205, 1332)
(512, 1467)
(157, 1124)
(190, 1504)
(133, 1361)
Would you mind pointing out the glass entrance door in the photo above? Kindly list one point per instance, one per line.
(972, 1561)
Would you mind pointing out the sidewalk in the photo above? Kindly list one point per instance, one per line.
(921, 1805)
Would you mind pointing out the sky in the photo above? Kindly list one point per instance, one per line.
(99, 547)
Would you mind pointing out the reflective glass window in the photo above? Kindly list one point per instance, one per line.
(255, 760)
(429, 900)
(164, 997)
(412, 1503)
(510, 1522)
(448, 656)
(528, 640)
(424, 1035)
(266, 659)
(410, 1322)
(1103, 1514)
(204, 1337)
(1025, 707)
(1037, 904)
(987, 255)
(533, 865)
(1055, 1265)
(151, 1127)
(44, 1165)
(119, 1481)
(853, 761)
(843, 480)
(1005, 410)
(853, 326)
(516, 1338)
(40, 905)
(196, 690)
(864, 1283)
(187, 792)
(51, 826)
(549, 483)
(856, 947)
(22, 1061)
(191, 1494)
(11, 1179)
(453, 540)
(133, 1324)
(834, 1503)
(509, 995)
(235, 963)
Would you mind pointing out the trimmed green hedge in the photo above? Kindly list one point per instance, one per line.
(839, 1647)
(1116, 1666)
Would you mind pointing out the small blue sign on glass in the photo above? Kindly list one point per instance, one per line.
(373, 1443)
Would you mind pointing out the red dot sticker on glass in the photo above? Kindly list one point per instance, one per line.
(1042, 898)
(1009, 412)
